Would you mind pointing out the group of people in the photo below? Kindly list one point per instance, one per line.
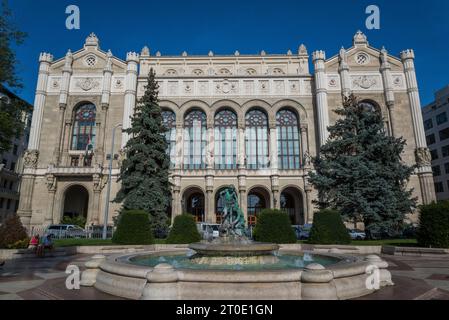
(40, 244)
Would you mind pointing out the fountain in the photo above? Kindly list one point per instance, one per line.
(234, 267)
(233, 246)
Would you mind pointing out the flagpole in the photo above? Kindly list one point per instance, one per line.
(108, 193)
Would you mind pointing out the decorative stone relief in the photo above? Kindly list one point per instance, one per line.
(87, 84)
(294, 86)
(31, 158)
(171, 72)
(225, 87)
(364, 82)
(333, 82)
(188, 87)
(398, 81)
(224, 72)
(198, 72)
(264, 86)
(51, 183)
(423, 157)
(119, 83)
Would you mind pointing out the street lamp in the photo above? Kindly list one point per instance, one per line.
(108, 193)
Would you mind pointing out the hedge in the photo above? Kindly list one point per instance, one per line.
(433, 229)
(184, 230)
(274, 226)
(328, 228)
(133, 228)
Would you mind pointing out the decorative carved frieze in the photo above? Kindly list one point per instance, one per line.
(423, 157)
(31, 159)
(87, 84)
(364, 82)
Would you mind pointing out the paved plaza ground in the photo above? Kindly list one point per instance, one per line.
(416, 278)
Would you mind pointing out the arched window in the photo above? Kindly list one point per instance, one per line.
(195, 206)
(83, 136)
(256, 203)
(225, 140)
(368, 106)
(195, 140)
(289, 153)
(257, 152)
(169, 120)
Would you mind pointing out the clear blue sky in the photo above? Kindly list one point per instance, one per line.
(245, 25)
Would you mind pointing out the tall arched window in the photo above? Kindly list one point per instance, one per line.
(257, 152)
(169, 120)
(195, 140)
(289, 153)
(225, 140)
(83, 134)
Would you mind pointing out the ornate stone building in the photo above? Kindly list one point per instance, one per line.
(252, 121)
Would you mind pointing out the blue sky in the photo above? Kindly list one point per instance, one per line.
(225, 26)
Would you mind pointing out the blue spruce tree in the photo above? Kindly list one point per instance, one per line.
(360, 172)
(145, 170)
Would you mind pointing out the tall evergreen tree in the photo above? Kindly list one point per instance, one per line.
(11, 112)
(145, 170)
(359, 171)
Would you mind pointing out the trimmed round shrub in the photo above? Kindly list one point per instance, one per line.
(133, 227)
(13, 234)
(274, 226)
(184, 230)
(79, 221)
(433, 229)
(328, 228)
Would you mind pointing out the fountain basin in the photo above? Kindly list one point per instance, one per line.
(345, 277)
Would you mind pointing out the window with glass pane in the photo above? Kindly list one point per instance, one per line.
(441, 118)
(195, 140)
(289, 155)
(428, 124)
(84, 127)
(257, 153)
(225, 134)
(169, 121)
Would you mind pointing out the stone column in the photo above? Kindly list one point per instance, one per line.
(210, 201)
(422, 154)
(45, 60)
(241, 145)
(31, 156)
(273, 147)
(98, 185)
(308, 213)
(67, 142)
(275, 202)
(105, 101)
(50, 214)
(132, 60)
(385, 70)
(63, 96)
(344, 73)
(210, 147)
(304, 148)
(179, 145)
(319, 58)
(27, 187)
(242, 194)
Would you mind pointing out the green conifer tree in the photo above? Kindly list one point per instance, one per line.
(360, 172)
(145, 170)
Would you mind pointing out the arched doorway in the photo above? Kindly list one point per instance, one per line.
(258, 199)
(193, 203)
(76, 202)
(292, 203)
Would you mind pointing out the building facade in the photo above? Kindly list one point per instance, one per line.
(252, 121)
(436, 125)
(11, 162)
